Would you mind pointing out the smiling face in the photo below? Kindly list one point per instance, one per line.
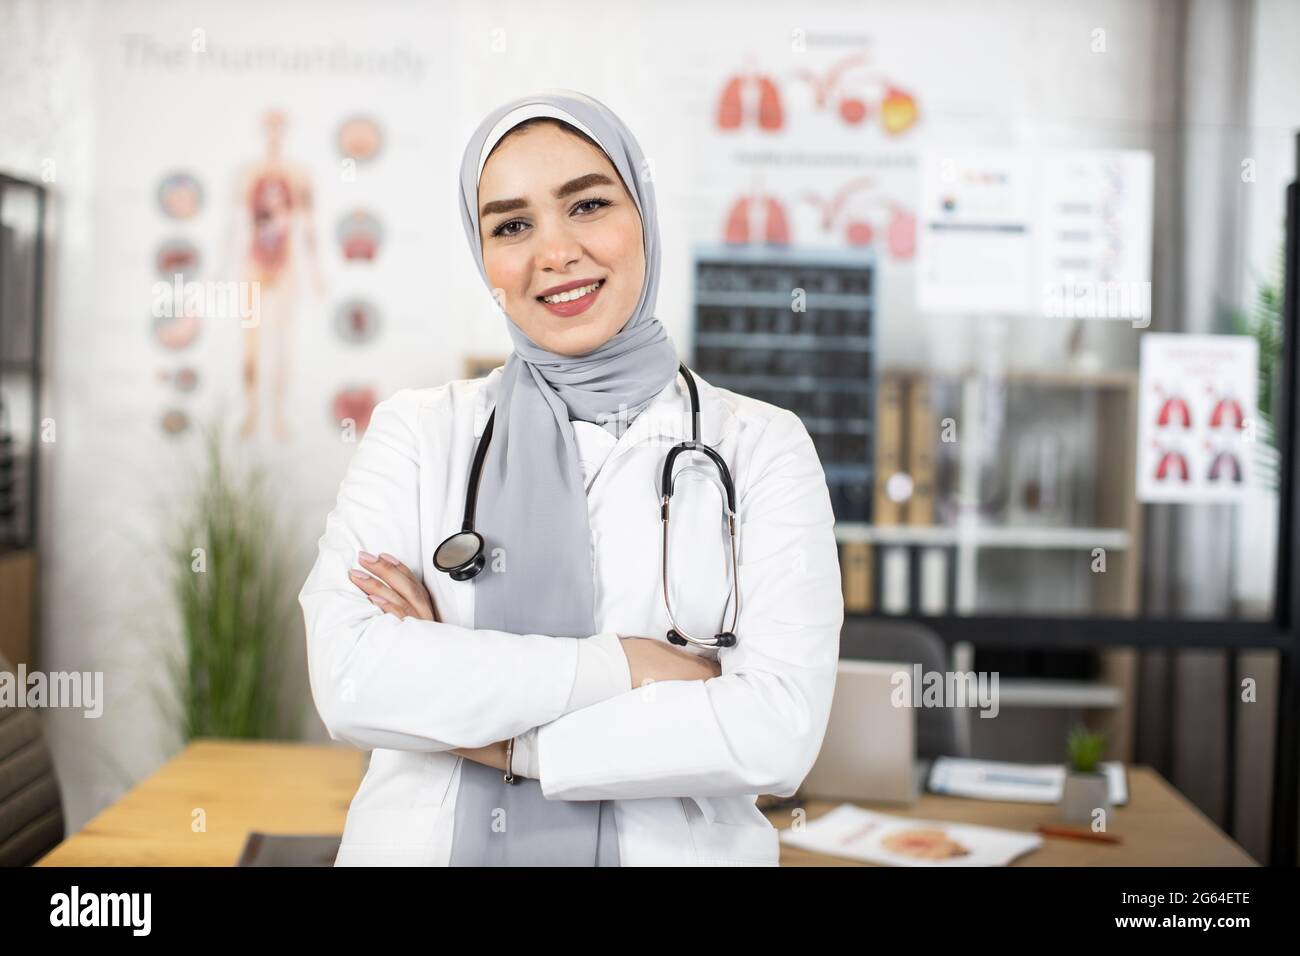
(553, 215)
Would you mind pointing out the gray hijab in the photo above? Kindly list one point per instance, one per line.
(532, 501)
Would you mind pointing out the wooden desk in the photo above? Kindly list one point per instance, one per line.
(1159, 825)
(240, 785)
(303, 788)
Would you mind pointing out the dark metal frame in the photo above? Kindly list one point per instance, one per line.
(35, 368)
(1279, 634)
(1288, 571)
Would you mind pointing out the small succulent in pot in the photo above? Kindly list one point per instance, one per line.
(1086, 789)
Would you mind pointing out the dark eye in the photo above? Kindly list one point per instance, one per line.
(501, 229)
(597, 203)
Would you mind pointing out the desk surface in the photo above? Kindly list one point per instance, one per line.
(291, 788)
(239, 785)
(1159, 827)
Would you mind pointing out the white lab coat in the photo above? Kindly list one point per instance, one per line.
(683, 760)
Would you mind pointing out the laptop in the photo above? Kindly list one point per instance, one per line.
(869, 752)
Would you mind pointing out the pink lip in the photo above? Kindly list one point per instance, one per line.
(575, 284)
(577, 306)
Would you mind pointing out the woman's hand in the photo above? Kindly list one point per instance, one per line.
(649, 659)
(394, 588)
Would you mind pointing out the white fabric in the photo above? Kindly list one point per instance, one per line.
(683, 760)
(515, 117)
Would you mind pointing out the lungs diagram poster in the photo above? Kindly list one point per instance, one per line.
(1196, 417)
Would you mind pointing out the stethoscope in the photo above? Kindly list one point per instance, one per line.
(462, 554)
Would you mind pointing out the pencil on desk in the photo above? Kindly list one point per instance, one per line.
(1078, 833)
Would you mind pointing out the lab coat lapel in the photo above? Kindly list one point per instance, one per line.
(666, 419)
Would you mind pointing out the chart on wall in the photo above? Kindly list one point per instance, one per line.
(1060, 234)
(813, 151)
(270, 223)
(1196, 417)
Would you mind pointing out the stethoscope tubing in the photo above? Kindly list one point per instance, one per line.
(470, 568)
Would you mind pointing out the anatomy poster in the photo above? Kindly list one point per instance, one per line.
(808, 143)
(1196, 417)
(274, 220)
(815, 151)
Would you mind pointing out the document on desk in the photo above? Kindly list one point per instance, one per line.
(871, 837)
(1014, 782)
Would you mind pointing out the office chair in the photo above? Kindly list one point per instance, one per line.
(31, 809)
(940, 731)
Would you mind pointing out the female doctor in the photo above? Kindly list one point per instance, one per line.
(521, 696)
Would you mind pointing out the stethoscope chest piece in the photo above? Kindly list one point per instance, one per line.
(461, 555)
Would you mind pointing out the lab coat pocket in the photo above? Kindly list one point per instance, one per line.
(383, 836)
(721, 840)
(394, 817)
(382, 854)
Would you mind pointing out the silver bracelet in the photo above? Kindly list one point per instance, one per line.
(510, 756)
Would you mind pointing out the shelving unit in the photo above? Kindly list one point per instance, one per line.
(821, 363)
(1107, 497)
(1003, 564)
(751, 336)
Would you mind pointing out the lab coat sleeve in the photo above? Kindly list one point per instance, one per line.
(758, 727)
(524, 760)
(381, 682)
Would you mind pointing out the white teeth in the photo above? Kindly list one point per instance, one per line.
(572, 294)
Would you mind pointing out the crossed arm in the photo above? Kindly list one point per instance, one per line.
(393, 588)
(384, 679)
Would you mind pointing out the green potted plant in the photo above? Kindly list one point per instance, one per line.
(234, 597)
(1086, 787)
(1256, 514)
(1263, 323)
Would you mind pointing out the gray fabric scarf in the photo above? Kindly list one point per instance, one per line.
(532, 501)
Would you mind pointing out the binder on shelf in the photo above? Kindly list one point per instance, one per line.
(889, 448)
(934, 582)
(895, 579)
(921, 438)
(856, 576)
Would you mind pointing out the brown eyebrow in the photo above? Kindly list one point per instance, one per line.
(568, 189)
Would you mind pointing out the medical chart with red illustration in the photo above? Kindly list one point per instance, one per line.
(1199, 433)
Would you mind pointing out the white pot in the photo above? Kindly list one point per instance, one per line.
(1082, 795)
